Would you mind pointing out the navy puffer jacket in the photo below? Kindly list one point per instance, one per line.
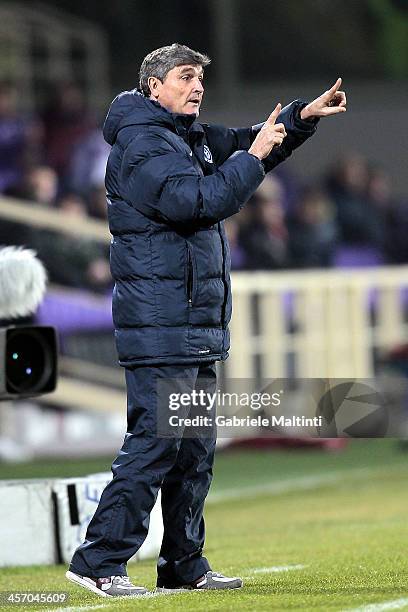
(170, 183)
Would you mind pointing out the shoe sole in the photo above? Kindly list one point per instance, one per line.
(166, 590)
(85, 584)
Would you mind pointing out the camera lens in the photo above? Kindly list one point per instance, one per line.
(27, 361)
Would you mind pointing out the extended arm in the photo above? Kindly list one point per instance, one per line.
(166, 187)
(223, 142)
(297, 131)
(299, 118)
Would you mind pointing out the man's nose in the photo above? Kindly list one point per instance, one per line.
(198, 86)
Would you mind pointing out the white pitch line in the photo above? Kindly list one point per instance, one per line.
(75, 608)
(111, 600)
(396, 604)
(277, 568)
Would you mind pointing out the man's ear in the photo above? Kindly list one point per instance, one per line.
(154, 85)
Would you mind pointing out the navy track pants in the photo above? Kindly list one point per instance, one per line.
(180, 466)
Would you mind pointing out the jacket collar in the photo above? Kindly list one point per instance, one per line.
(186, 124)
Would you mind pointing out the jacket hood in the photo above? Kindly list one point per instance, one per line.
(133, 108)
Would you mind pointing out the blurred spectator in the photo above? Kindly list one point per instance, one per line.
(66, 123)
(313, 231)
(238, 257)
(265, 237)
(72, 260)
(291, 187)
(19, 137)
(73, 204)
(39, 184)
(379, 188)
(88, 164)
(393, 213)
(359, 222)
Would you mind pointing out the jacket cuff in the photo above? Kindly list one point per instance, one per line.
(290, 116)
(304, 124)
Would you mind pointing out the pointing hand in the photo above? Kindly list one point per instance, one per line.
(331, 102)
(270, 135)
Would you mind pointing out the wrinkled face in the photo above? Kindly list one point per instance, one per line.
(181, 91)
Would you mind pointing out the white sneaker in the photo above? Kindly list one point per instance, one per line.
(110, 586)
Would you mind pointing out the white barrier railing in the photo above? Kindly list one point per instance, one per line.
(316, 323)
(37, 215)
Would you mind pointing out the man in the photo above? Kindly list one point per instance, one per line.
(171, 182)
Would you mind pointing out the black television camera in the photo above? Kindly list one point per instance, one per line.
(28, 353)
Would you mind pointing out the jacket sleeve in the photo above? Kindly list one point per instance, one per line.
(297, 131)
(165, 186)
(224, 141)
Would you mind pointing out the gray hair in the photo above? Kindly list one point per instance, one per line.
(160, 61)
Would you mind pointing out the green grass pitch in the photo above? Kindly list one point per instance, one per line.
(308, 530)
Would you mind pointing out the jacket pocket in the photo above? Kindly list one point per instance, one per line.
(191, 276)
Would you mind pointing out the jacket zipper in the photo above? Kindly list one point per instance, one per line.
(189, 278)
(224, 279)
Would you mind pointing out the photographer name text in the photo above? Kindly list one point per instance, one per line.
(247, 421)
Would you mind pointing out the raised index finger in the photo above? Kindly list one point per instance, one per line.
(274, 114)
(334, 87)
